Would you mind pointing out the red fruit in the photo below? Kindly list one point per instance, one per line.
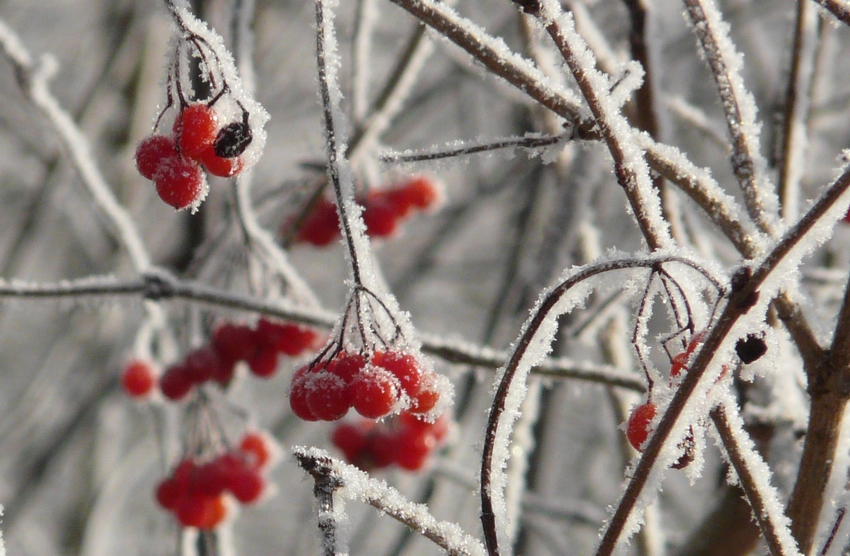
(138, 379)
(426, 399)
(422, 192)
(247, 485)
(298, 395)
(350, 439)
(201, 511)
(347, 366)
(321, 226)
(202, 364)
(328, 396)
(379, 216)
(374, 392)
(380, 451)
(151, 153)
(196, 128)
(258, 448)
(168, 493)
(215, 511)
(264, 362)
(680, 361)
(638, 426)
(404, 367)
(234, 342)
(176, 382)
(179, 182)
(218, 166)
(412, 450)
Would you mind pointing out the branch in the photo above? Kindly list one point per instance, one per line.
(840, 10)
(34, 79)
(160, 286)
(463, 148)
(629, 166)
(741, 300)
(752, 473)
(740, 109)
(358, 485)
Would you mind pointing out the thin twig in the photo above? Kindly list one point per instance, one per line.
(463, 148)
(515, 370)
(841, 10)
(161, 287)
(629, 167)
(359, 486)
(740, 301)
(739, 107)
(746, 461)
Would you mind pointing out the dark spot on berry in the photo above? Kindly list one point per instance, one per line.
(233, 139)
(749, 349)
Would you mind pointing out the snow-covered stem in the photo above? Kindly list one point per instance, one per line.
(326, 483)
(470, 147)
(33, 80)
(159, 286)
(840, 10)
(512, 378)
(277, 258)
(364, 26)
(739, 107)
(796, 110)
(496, 57)
(740, 300)
(751, 471)
(338, 170)
(629, 166)
(357, 485)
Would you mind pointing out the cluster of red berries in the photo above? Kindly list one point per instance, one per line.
(174, 162)
(387, 382)
(198, 493)
(259, 347)
(139, 378)
(383, 210)
(405, 441)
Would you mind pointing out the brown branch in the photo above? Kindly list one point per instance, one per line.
(745, 151)
(840, 10)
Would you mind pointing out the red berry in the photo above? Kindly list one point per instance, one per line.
(151, 153)
(258, 448)
(638, 426)
(347, 366)
(298, 395)
(351, 439)
(380, 451)
(138, 379)
(215, 512)
(379, 216)
(212, 478)
(247, 485)
(412, 450)
(218, 166)
(374, 392)
(404, 367)
(168, 493)
(202, 364)
(234, 342)
(422, 192)
(263, 363)
(176, 382)
(680, 361)
(289, 339)
(196, 128)
(179, 182)
(321, 226)
(328, 396)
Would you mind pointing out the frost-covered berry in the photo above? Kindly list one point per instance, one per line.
(151, 153)
(638, 427)
(180, 182)
(218, 166)
(751, 348)
(138, 379)
(328, 396)
(374, 392)
(195, 127)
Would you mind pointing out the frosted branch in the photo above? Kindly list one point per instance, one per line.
(326, 483)
(744, 297)
(34, 79)
(753, 475)
(463, 148)
(357, 485)
(629, 163)
(161, 286)
(739, 106)
(533, 343)
(840, 10)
